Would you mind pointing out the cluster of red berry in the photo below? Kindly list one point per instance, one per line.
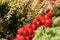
(27, 32)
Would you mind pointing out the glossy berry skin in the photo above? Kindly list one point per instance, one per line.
(38, 23)
(31, 36)
(40, 16)
(48, 22)
(20, 30)
(48, 15)
(22, 38)
(18, 35)
(27, 38)
(34, 20)
(28, 25)
(33, 31)
(24, 32)
(29, 30)
(43, 21)
(16, 39)
(33, 26)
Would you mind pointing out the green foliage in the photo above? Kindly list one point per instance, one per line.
(48, 34)
(52, 33)
(4, 8)
(39, 33)
(56, 21)
(14, 14)
(56, 11)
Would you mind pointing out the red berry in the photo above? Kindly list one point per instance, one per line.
(39, 17)
(27, 38)
(38, 23)
(34, 31)
(34, 26)
(34, 20)
(18, 35)
(48, 22)
(48, 15)
(31, 36)
(29, 30)
(22, 38)
(16, 39)
(43, 21)
(20, 30)
(24, 32)
(28, 25)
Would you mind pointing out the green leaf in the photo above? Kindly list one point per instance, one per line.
(39, 32)
(56, 11)
(56, 21)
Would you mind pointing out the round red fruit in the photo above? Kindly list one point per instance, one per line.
(18, 35)
(34, 26)
(48, 22)
(38, 23)
(48, 15)
(31, 36)
(27, 38)
(34, 20)
(24, 32)
(28, 25)
(29, 30)
(20, 30)
(39, 17)
(22, 38)
(34, 31)
(16, 39)
(43, 21)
